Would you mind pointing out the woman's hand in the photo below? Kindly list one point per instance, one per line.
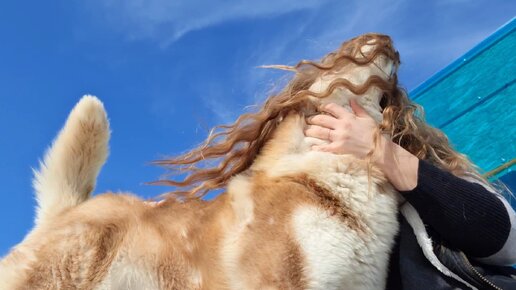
(347, 132)
(352, 133)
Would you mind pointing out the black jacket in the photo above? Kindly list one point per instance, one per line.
(464, 220)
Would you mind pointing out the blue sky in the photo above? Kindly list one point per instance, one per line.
(167, 71)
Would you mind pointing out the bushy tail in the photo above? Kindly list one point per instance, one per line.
(68, 174)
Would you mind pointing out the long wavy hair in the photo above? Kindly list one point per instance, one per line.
(231, 149)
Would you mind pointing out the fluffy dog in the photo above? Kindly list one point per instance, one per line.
(291, 218)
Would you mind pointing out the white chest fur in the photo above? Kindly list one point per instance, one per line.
(337, 256)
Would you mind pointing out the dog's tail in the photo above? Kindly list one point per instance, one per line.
(68, 174)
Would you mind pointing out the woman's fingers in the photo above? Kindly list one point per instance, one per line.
(318, 132)
(338, 111)
(323, 121)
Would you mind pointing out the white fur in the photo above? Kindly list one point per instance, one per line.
(340, 257)
(68, 174)
(124, 274)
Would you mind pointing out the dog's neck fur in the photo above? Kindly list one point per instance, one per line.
(289, 142)
(345, 180)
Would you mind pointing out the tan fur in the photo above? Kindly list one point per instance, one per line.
(246, 238)
(174, 241)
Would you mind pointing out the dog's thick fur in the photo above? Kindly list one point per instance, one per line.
(296, 219)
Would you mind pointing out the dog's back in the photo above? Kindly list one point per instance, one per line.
(266, 232)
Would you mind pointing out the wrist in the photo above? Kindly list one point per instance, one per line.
(399, 166)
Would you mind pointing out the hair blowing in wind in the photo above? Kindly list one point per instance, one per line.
(231, 149)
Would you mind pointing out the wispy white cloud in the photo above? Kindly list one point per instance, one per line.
(167, 21)
(427, 41)
(427, 38)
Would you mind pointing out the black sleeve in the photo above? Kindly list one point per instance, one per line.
(464, 214)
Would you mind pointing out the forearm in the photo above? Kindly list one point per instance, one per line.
(464, 214)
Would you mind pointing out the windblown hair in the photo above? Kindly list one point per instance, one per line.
(231, 149)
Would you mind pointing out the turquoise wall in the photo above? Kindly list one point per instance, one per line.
(473, 100)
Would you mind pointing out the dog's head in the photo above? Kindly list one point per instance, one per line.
(363, 68)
